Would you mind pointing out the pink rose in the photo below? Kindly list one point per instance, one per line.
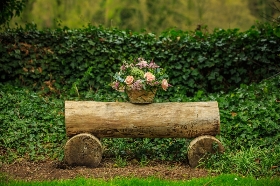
(164, 84)
(129, 80)
(149, 76)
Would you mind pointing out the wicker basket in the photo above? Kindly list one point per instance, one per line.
(141, 96)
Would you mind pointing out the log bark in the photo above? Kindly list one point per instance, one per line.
(201, 147)
(83, 150)
(156, 120)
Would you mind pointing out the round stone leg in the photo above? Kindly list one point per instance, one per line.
(201, 146)
(83, 150)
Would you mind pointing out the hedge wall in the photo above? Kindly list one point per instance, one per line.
(58, 60)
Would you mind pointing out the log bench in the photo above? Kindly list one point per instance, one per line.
(88, 121)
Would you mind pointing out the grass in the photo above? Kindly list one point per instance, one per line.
(222, 180)
(252, 161)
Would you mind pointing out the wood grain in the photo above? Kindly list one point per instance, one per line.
(156, 120)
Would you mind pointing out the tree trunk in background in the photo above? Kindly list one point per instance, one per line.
(259, 8)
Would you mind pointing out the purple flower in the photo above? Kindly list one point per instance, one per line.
(153, 83)
(137, 85)
(123, 67)
(115, 85)
(153, 65)
(142, 63)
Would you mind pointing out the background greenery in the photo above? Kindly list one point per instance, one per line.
(10, 9)
(155, 16)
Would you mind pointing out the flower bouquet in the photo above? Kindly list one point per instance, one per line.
(140, 80)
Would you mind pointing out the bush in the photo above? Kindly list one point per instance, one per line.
(86, 59)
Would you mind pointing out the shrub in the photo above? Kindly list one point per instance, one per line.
(86, 59)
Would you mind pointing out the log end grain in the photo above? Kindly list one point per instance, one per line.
(202, 146)
(83, 150)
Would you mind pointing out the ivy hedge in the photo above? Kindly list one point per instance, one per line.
(81, 59)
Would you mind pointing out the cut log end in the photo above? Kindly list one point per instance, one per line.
(202, 146)
(83, 150)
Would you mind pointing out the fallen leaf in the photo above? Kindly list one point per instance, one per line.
(233, 114)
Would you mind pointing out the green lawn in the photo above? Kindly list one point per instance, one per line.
(222, 180)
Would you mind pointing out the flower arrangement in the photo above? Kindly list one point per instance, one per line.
(140, 75)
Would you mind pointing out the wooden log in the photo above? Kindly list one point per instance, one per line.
(157, 120)
(201, 147)
(83, 150)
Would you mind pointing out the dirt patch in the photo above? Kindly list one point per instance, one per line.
(50, 170)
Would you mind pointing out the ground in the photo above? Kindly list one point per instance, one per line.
(51, 170)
